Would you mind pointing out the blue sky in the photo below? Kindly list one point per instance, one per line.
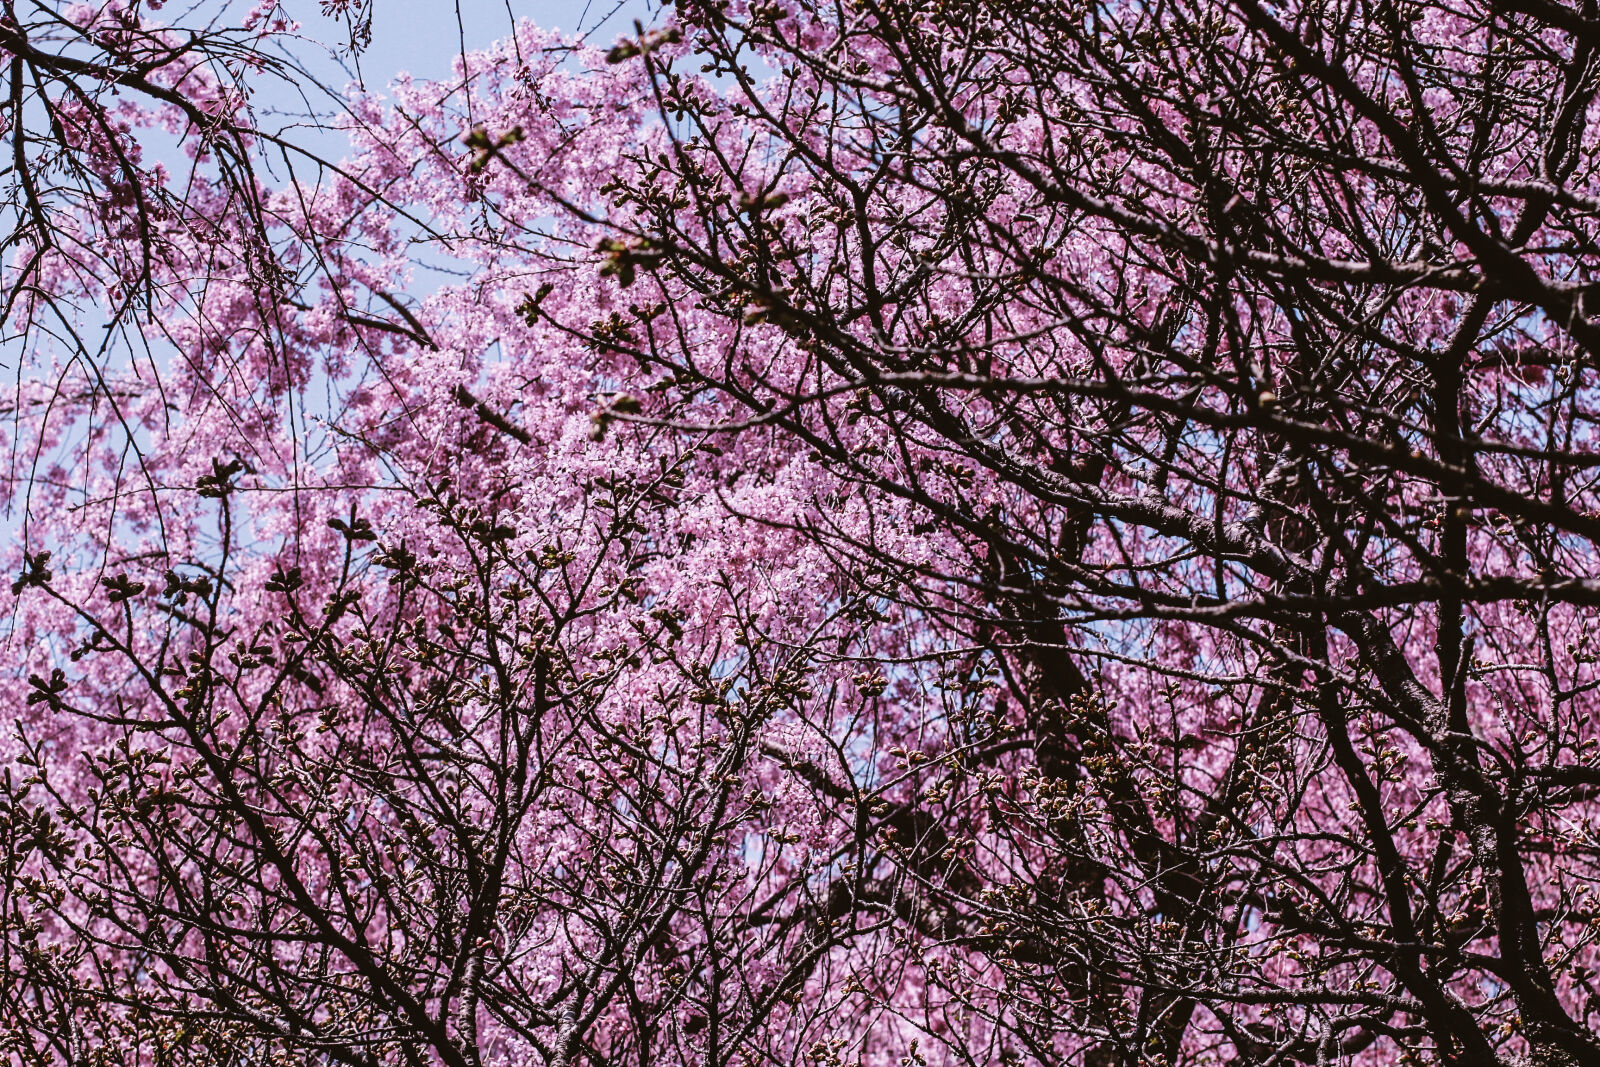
(422, 37)
(417, 37)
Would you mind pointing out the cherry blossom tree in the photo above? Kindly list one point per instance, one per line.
(927, 531)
